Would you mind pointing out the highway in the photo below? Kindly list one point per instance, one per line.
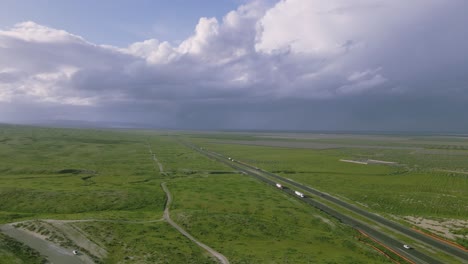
(447, 248)
(413, 254)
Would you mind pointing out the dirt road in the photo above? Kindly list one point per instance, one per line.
(161, 169)
(222, 259)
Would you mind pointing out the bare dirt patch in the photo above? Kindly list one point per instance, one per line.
(446, 227)
(370, 161)
(381, 162)
(354, 161)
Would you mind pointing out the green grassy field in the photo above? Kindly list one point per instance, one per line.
(51, 173)
(144, 243)
(253, 223)
(429, 181)
(420, 187)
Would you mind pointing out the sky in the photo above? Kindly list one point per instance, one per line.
(360, 65)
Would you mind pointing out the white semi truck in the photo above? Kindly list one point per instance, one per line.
(299, 194)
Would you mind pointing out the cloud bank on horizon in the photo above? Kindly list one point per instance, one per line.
(296, 64)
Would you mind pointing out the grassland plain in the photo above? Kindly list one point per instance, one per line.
(432, 186)
(412, 190)
(144, 243)
(51, 173)
(47, 173)
(243, 219)
(253, 223)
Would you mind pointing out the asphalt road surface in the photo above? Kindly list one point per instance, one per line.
(54, 253)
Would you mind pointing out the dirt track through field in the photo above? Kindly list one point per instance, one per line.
(354, 161)
(161, 168)
(222, 259)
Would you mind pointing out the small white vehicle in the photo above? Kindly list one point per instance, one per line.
(279, 186)
(75, 252)
(406, 246)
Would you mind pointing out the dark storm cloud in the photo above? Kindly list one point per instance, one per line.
(377, 65)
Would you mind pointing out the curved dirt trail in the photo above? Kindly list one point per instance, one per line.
(222, 259)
